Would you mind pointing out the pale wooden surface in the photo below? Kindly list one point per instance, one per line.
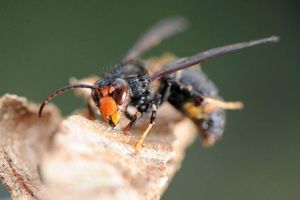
(23, 140)
(79, 158)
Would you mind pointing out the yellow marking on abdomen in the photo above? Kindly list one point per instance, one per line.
(192, 111)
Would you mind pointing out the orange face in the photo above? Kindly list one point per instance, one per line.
(113, 101)
(108, 106)
(109, 110)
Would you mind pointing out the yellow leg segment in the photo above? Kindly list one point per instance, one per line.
(139, 144)
(234, 105)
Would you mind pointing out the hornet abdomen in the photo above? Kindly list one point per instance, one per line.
(186, 90)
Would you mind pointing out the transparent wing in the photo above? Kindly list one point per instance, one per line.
(160, 31)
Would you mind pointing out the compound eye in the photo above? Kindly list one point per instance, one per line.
(120, 91)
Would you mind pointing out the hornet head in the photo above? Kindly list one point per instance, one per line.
(111, 97)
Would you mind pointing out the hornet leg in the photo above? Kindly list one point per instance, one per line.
(216, 103)
(155, 104)
(139, 144)
(132, 118)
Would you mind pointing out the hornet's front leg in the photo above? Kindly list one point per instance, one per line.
(155, 104)
(132, 118)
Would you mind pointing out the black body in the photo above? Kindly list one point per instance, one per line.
(139, 81)
(186, 87)
(191, 86)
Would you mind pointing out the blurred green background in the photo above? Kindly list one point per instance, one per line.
(44, 43)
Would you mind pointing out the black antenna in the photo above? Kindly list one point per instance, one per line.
(60, 91)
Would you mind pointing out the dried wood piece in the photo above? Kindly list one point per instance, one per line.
(87, 159)
(91, 160)
(23, 140)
